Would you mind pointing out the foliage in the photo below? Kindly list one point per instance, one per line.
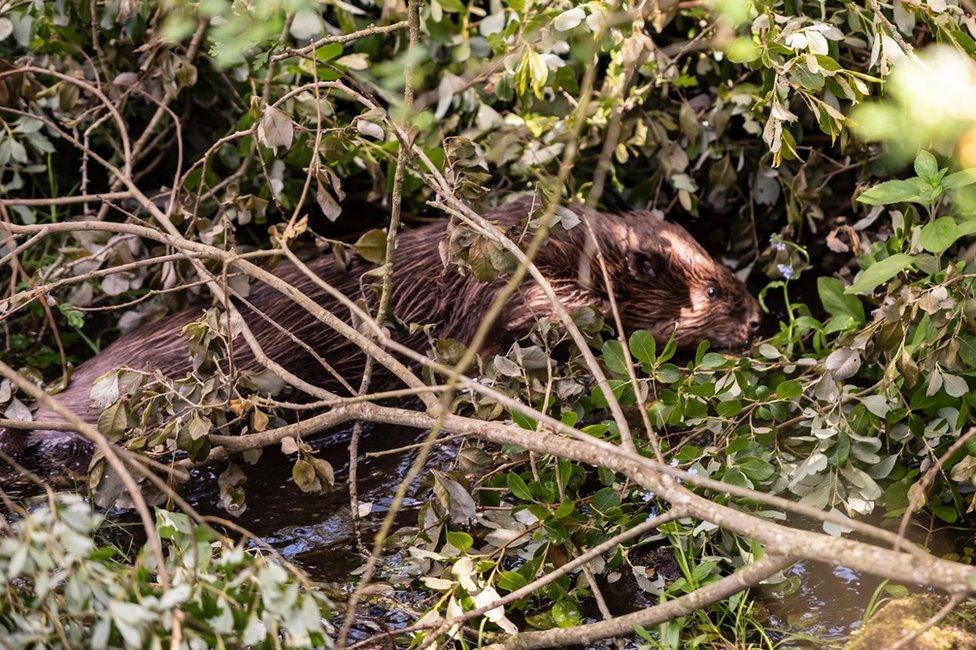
(776, 131)
(62, 587)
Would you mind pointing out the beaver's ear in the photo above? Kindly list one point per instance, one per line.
(645, 264)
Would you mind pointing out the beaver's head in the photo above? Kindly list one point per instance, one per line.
(666, 283)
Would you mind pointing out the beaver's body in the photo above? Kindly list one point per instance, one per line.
(661, 277)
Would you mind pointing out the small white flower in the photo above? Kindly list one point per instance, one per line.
(786, 271)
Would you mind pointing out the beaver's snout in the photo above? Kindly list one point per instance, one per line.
(751, 325)
(754, 326)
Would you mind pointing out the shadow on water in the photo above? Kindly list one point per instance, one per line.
(316, 531)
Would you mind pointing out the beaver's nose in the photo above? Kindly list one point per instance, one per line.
(754, 325)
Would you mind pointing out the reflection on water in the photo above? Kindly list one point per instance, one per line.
(829, 602)
(819, 600)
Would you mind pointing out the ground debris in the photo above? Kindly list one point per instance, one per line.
(901, 616)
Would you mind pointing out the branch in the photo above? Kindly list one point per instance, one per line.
(67, 200)
(742, 579)
(921, 569)
(340, 38)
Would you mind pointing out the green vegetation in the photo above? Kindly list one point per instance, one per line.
(826, 150)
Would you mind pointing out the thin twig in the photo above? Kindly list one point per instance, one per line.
(340, 38)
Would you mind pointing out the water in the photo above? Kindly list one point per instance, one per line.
(829, 602)
(317, 531)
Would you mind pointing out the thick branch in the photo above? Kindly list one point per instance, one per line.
(742, 579)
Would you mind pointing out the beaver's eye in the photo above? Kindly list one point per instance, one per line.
(711, 292)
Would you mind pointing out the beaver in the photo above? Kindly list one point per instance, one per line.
(662, 279)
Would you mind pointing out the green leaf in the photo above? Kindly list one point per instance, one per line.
(372, 246)
(939, 235)
(827, 63)
(198, 427)
(743, 50)
(114, 420)
(669, 373)
(605, 499)
(880, 272)
(837, 303)
(643, 347)
(728, 409)
(701, 350)
(892, 192)
(669, 349)
(72, 314)
(945, 512)
(647, 636)
(523, 420)
(328, 52)
(789, 389)
(619, 388)
(959, 179)
(518, 486)
(713, 360)
(565, 614)
(756, 469)
(459, 540)
(927, 167)
(510, 580)
(564, 510)
(613, 357)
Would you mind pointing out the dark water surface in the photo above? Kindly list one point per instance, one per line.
(316, 531)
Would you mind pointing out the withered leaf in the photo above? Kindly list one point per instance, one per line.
(275, 129)
(303, 473)
(113, 421)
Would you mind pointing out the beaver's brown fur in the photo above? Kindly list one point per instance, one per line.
(662, 279)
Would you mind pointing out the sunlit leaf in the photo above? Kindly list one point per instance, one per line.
(879, 273)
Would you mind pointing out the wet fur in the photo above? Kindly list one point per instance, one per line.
(660, 276)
